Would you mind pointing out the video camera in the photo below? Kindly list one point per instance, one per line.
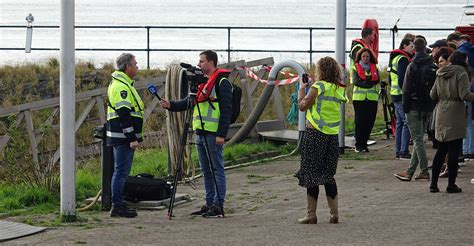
(194, 75)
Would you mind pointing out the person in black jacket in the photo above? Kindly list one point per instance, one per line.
(418, 106)
(211, 120)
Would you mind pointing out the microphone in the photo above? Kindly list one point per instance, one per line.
(185, 65)
(153, 90)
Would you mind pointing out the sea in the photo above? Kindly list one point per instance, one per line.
(415, 14)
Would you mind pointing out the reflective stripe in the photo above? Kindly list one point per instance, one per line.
(123, 103)
(115, 115)
(120, 135)
(137, 114)
(128, 129)
(112, 115)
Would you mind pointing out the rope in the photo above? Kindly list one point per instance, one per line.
(175, 120)
(292, 117)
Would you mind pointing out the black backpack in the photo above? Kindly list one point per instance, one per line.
(426, 76)
(236, 98)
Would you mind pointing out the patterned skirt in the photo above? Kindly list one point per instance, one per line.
(318, 159)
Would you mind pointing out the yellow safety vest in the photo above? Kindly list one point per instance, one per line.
(394, 86)
(360, 94)
(324, 115)
(121, 93)
(209, 115)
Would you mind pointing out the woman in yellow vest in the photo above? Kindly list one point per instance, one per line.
(320, 149)
(365, 96)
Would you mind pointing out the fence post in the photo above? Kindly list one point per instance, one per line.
(393, 38)
(228, 44)
(310, 46)
(148, 47)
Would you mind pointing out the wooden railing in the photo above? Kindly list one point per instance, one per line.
(96, 98)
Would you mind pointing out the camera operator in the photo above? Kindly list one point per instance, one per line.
(214, 101)
(124, 128)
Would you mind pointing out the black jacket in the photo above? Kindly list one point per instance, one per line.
(412, 77)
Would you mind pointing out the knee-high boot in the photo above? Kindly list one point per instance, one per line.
(311, 216)
(333, 209)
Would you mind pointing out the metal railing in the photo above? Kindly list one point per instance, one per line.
(229, 29)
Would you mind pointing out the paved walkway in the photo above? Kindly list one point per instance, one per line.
(264, 201)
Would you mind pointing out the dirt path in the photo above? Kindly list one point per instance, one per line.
(264, 202)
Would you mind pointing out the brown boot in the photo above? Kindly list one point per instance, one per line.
(333, 210)
(311, 216)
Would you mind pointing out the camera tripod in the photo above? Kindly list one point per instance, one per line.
(188, 118)
(388, 111)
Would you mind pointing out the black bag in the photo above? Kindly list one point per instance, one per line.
(144, 187)
(236, 98)
(427, 76)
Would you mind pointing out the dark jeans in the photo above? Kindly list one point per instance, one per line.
(364, 117)
(123, 156)
(452, 149)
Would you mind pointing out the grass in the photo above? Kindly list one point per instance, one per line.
(19, 200)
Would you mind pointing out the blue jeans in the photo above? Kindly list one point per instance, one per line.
(468, 141)
(217, 157)
(123, 156)
(402, 134)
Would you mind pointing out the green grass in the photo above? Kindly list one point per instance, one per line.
(20, 200)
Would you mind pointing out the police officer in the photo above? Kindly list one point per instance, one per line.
(125, 128)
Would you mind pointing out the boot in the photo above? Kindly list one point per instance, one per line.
(333, 210)
(311, 216)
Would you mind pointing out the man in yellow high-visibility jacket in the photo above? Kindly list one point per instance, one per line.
(124, 128)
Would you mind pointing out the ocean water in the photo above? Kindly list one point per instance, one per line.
(263, 13)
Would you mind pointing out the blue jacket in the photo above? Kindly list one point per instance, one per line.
(469, 50)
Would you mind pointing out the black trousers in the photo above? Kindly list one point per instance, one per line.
(331, 191)
(452, 149)
(364, 117)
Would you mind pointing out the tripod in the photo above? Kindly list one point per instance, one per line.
(388, 110)
(188, 119)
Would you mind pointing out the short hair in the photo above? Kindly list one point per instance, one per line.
(420, 45)
(210, 56)
(455, 36)
(123, 60)
(466, 37)
(410, 36)
(405, 42)
(359, 55)
(328, 69)
(366, 32)
(422, 37)
(444, 52)
(459, 58)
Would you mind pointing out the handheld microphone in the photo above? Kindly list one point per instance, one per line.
(153, 90)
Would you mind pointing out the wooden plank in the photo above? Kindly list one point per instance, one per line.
(281, 135)
(259, 62)
(100, 109)
(84, 113)
(31, 136)
(5, 138)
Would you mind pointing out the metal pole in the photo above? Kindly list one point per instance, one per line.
(310, 47)
(341, 59)
(393, 38)
(67, 113)
(228, 44)
(148, 47)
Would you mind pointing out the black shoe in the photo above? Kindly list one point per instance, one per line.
(366, 149)
(204, 209)
(434, 189)
(406, 157)
(123, 212)
(453, 189)
(214, 212)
